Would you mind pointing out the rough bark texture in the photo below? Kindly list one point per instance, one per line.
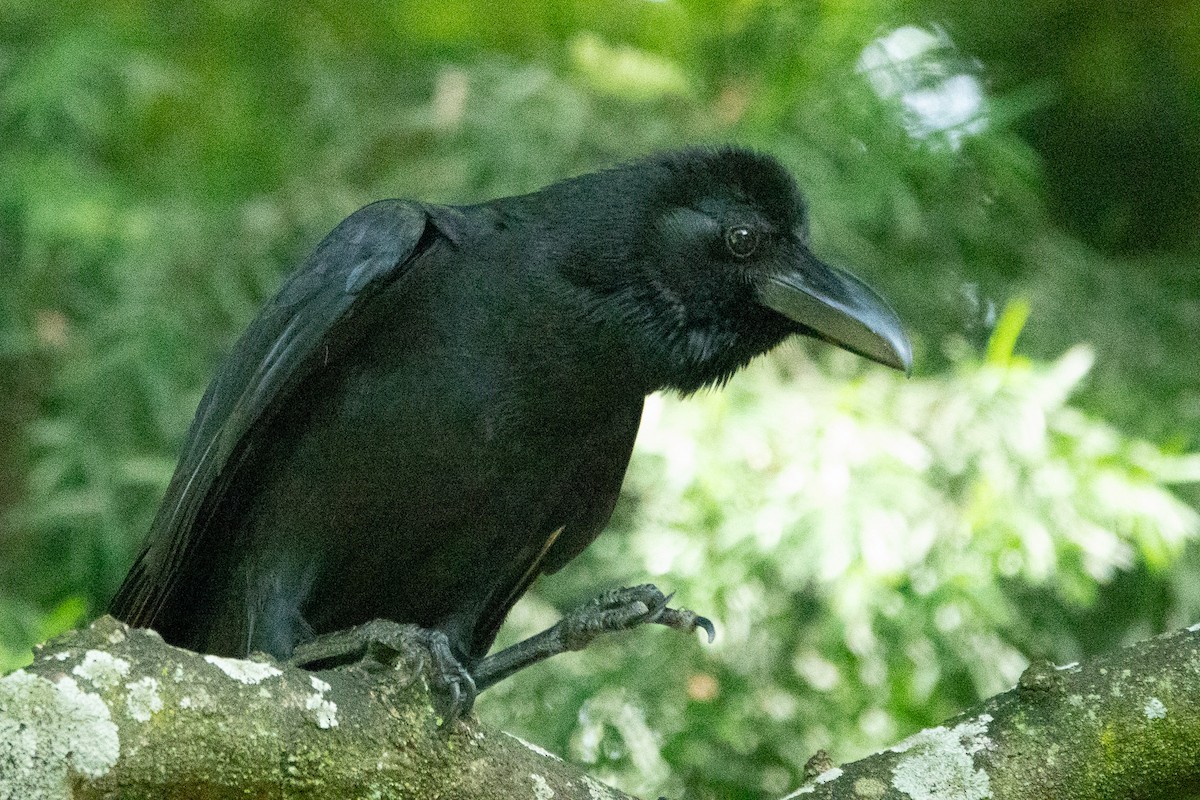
(1123, 727)
(110, 712)
(113, 712)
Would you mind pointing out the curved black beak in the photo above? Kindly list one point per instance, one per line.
(840, 309)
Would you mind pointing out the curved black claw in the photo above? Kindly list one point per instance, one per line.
(383, 643)
(682, 619)
(452, 686)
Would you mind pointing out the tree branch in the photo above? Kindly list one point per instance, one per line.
(1120, 727)
(114, 712)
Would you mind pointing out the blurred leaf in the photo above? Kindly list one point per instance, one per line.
(882, 537)
(625, 71)
(1003, 343)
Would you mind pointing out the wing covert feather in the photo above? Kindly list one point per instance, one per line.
(283, 345)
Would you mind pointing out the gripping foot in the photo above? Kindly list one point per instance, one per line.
(382, 643)
(614, 610)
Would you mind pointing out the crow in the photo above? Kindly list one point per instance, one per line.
(439, 406)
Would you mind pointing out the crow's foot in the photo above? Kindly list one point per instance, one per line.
(452, 685)
(614, 610)
(378, 643)
(623, 609)
(383, 643)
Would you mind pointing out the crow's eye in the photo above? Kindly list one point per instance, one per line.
(741, 240)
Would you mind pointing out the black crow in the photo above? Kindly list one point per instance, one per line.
(440, 404)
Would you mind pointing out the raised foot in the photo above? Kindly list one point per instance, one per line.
(383, 643)
(623, 609)
(612, 611)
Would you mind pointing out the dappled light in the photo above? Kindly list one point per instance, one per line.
(940, 101)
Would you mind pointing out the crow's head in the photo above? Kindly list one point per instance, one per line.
(704, 256)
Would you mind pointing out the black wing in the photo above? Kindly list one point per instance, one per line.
(288, 340)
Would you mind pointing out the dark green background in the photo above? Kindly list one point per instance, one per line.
(877, 553)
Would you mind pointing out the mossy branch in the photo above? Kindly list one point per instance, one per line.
(114, 712)
(1115, 728)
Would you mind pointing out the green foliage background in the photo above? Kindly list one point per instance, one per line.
(877, 553)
